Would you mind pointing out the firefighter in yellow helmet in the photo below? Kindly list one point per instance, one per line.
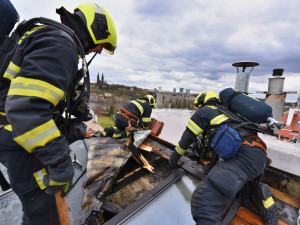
(37, 87)
(93, 25)
(137, 112)
(228, 176)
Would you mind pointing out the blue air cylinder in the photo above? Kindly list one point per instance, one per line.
(248, 107)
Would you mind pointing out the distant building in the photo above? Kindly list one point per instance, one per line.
(174, 90)
(96, 97)
(187, 90)
(160, 89)
(107, 95)
(181, 90)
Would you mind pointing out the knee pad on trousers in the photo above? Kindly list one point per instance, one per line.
(226, 181)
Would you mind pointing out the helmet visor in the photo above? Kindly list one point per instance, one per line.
(108, 48)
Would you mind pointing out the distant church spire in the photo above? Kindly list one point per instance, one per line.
(98, 81)
(102, 78)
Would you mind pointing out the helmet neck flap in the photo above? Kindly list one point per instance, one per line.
(75, 23)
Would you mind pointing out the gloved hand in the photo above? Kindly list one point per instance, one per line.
(174, 158)
(76, 130)
(59, 177)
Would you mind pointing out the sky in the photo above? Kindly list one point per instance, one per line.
(192, 44)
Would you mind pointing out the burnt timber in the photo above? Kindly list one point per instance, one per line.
(135, 187)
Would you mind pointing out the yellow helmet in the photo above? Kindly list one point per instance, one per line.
(151, 100)
(205, 97)
(99, 24)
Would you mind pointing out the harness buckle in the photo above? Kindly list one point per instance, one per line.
(251, 143)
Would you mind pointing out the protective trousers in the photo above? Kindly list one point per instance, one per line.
(38, 207)
(223, 182)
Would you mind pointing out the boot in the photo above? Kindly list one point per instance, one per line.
(264, 202)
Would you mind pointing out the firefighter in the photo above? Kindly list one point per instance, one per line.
(9, 16)
(8, 19)
(227, 177)
(137, 112)
(41, 73)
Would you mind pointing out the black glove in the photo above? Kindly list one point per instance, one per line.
(174, 158)
(59, 176)
(76, 130)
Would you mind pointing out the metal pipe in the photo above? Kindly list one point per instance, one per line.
(5, 192)
(243, 77)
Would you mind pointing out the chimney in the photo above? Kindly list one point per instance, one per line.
(275, 97)
(243, 77)
(276, 82)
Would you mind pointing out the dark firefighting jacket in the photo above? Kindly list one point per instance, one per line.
(44, 64)
(137, 111)
(203, 119)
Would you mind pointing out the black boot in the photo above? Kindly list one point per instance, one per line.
(264, 201)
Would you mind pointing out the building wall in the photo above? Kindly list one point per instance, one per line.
(175, 100)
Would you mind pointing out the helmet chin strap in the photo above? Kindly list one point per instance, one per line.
(92, 59)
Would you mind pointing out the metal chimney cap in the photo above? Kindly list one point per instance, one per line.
(278, 72)
(245, 64)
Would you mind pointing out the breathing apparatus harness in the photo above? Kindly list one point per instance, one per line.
(75, 104)
(246, 129)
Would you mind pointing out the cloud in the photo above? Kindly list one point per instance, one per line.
(192, 44)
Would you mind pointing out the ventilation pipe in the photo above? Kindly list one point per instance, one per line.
(275, 97)
(243, 77)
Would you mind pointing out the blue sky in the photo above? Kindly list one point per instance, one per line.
(192, 44)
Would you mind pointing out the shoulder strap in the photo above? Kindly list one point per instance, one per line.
(10, 43)
(239, 120)
(63, 27)
(232, 116)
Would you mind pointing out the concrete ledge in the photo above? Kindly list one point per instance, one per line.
(285, 155)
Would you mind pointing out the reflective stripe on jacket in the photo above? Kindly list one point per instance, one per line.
(44, 64)
(202, 119)
(140, 109)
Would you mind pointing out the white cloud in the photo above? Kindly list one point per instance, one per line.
(192, 44)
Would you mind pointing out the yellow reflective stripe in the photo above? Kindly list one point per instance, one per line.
(139, 106)
(180, 150)
(8, 127)
(11, 71)
(251, 97)
(2, 114)
(38, 136)
(146, 119)
(39, 176)
(66, 187)
(269, 202)
(29, 32)
(194, 127)
(55, 183)
(218, 119)
(37, 88)
(116, 135)
(212, 106)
